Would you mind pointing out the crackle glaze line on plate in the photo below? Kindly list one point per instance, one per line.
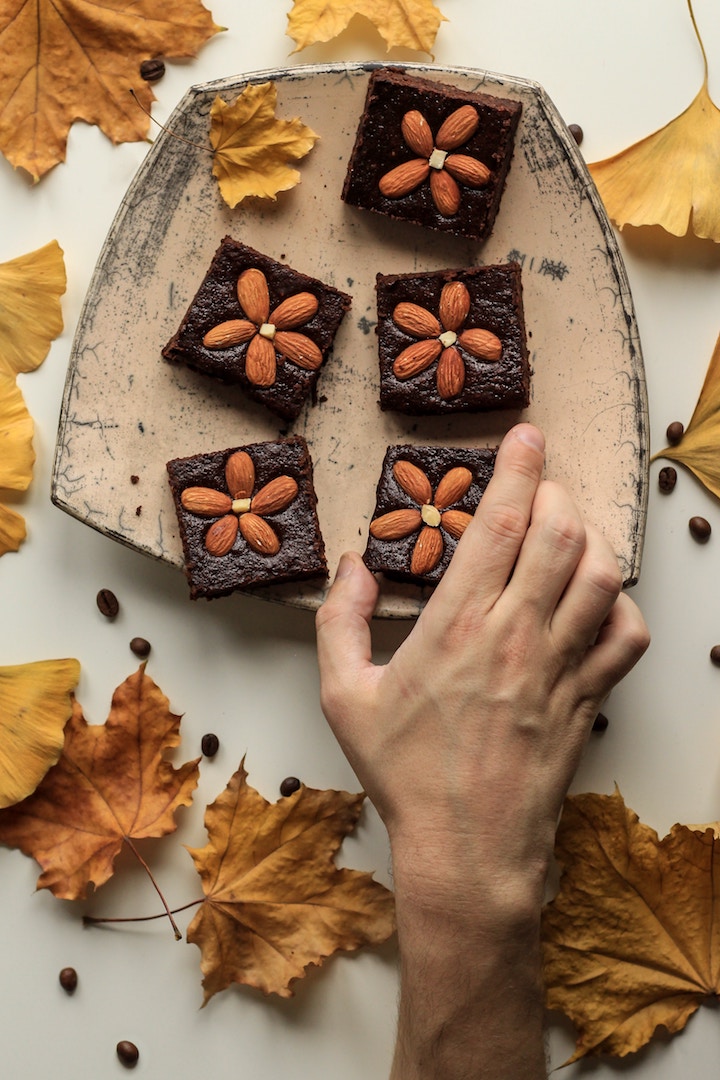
(126, 411)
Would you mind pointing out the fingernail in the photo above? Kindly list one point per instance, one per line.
(531, 436)
(345, 568)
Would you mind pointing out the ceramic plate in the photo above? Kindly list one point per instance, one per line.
(126, 411)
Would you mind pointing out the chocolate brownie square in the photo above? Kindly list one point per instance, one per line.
(247, 517)
(431, 154)
(453, 340)
(259, 323)
(425, 499)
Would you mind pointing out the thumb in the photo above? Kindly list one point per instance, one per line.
(343, 632)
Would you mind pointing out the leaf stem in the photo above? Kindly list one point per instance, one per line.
(700, 41)
(91, 920)
(138, 856)
(174, 134)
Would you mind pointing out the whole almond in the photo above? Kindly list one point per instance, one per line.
(299, 348)
(450, 374)
(404, 178)
(413, 481)
(396, 525)
(259, 535)
(416, 320)
(253, 294)
(260, 362)
(481, 343)
(468, 170)
(445, 192)
(220, 537)
(457, 128)
(427, 552)
(240, 475)
(454, 485)
(416, 358)
(232, 332)
(417, 134)
(205, 501)
(294, 311)
(274, 496)
(456, 522)
(454, 305)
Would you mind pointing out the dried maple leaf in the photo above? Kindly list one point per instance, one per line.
(699, 448)
(632, 940)
(111, 784)
(274, 900)
(670, 177)
(17, 458)
(35, 703)
(30, 314)
(77, 61)
(410, 24)
(253, 147)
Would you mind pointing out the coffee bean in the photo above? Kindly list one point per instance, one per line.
(700, 528)
(152, 70)
(210, 744)
(140, 647)
(675, 432)
(108, 604)
(667, 479)
(600, 722)
(128, 1053)
(289, 786)
(577, 132)
(715, 655)
(68, 979)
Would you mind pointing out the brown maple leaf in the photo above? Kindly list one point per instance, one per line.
(77, 61)
(111, 785)
(410, 24)
(274, 900)
(632, 940)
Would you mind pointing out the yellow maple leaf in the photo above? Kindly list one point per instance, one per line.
(253, 147)
(30, 314)
(670, 177)
(35, 705)
(17, 458)
(631, 942)
(699, 448)
(411, 24)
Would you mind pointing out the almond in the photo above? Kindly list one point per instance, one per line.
(404, 178)
(455, 522)
(294, 311)
(416, 133)
(260, 363)
(481, 343)
(454, 485)
(240, 475)
(445, 192)
(232, 332)
(413, 481)
(450, 374)
(259, 535)
(457, 128)
(396, 525)
(454, 305)
(253, 294)
(205, 501)
(416, 358)
(416, 320)
(428, 551)
(468, 170)
(274, 496)
(220, 537)
(298, 348)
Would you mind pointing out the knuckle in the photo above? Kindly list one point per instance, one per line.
(505, 522)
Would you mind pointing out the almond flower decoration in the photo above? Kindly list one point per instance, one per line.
(435, 160)
(441, 338)
(431, 519)
(240, 510)
(270, 334)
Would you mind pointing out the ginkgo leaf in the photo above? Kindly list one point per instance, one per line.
(35, 704)
(77, 61)
(274, 900)
(110, 784)
(253, 147)
(17, 458)
(631, 942)
(30, 314)
(670, 177)
(699, 447)
(410, 24)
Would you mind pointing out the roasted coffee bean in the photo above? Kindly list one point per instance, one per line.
(715, 655)
(577, 132)
(108, 604)
(289, 786)
(600, 722)
(140, 647)
(68, 979)
(152, 70)
(128, 1053)
(667, 479)
(210, 744)
(700, 528)
(675, 432)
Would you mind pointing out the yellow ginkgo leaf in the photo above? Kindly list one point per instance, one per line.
(699, 447)
(253, 147)
(410, 24)
(669, 178)
(17, 458)
(35, 705)
(30, 314)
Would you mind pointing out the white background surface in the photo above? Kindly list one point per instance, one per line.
(246, 669)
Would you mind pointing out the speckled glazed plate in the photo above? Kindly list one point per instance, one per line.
(126, 411)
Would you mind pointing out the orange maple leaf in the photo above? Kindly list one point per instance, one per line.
(78, 60)
(274, 900)
(632, 940)
(110, 785)
(411, 24)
